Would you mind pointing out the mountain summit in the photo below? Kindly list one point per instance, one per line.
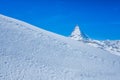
(77, 34)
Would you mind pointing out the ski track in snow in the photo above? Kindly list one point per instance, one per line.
(30, 53)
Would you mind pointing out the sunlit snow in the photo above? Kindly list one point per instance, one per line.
(31, 53)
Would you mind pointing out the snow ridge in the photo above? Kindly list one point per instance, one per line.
(112, 46)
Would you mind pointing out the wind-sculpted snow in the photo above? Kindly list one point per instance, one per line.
(30, 53)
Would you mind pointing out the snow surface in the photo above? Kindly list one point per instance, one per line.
(30, 53)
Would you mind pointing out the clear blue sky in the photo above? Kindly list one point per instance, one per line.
(99, 19)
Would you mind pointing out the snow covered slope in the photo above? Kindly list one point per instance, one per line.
(30, 53)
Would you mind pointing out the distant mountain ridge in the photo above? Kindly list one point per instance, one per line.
(113, 46)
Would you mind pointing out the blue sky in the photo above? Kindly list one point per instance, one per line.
(99, 19)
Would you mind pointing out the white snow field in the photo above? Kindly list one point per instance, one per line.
(31, 53)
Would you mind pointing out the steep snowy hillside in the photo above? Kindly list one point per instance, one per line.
(30, 53)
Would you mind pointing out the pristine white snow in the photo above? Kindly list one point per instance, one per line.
(30, 53)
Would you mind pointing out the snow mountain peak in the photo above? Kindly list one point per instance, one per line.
(77, 34)
(110, 46)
